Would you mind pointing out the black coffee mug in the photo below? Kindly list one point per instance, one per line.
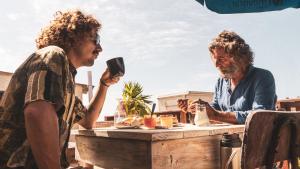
(116, 66)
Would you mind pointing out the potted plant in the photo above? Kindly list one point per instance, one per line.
(135, 103)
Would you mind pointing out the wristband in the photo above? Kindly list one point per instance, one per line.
(103, 82)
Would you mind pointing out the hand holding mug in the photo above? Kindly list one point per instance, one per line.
(107, 79)
(116, 67)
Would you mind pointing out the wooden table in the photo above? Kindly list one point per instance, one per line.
(188, 147)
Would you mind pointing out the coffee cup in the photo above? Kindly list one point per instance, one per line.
(116, 66)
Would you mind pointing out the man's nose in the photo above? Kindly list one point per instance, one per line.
(99, 48)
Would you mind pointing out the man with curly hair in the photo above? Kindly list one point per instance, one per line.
(39, 107)
(242, 87)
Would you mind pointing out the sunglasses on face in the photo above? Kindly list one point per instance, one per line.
(96, 39)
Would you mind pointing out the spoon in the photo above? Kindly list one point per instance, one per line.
(153, 108)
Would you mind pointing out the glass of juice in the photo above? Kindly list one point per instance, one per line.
(150, 122)
(166, 121)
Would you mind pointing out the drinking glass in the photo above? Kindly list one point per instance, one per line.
(150, 122)
(166, 121)
(201, 118)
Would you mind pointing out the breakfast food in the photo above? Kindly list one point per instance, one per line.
(130, 122)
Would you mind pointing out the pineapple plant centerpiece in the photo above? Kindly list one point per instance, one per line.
(135, 103)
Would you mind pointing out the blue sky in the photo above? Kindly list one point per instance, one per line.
(164, 43)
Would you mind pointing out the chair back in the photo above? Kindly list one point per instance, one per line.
(269, 137)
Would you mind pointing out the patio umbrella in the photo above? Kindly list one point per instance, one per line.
(248, 6)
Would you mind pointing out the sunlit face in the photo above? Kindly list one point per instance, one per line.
(224, 63)
(88, 50)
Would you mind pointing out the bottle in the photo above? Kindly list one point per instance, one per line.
(201, 118)
(120, 113)
(230, 151)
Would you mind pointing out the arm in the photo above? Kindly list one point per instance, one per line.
(94, 108)
(215, 102)
(97, 101)
(221, 116)
(215, 115)
(264, 98)
(227, 117)
(42, 131)
(213, 110)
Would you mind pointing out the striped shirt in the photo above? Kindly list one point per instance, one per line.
(46, 75)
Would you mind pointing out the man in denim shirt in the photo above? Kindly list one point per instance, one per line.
(242, 88)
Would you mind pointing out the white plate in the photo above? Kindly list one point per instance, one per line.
(178, 125)
(161, 127)
(127, 127)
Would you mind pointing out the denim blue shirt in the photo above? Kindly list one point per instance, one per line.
(255, 91)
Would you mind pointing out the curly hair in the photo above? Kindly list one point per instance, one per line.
(233, 45)
(67, 29)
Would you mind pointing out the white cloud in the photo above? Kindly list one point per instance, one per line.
(13, 16)
(199, 81)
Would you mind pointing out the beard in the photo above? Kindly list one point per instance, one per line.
(81, 55)
(228, 72)
(89, 62)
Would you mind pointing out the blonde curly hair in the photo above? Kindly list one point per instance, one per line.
(233, 45)
(67, 29)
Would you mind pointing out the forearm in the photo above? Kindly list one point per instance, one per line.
(95, 107)
(228, 117)
(43, 136)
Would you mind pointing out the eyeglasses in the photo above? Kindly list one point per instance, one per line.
(96, 40)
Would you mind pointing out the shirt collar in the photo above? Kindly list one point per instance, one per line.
(72, 69)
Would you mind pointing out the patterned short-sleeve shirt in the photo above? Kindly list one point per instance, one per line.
(46, 75)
